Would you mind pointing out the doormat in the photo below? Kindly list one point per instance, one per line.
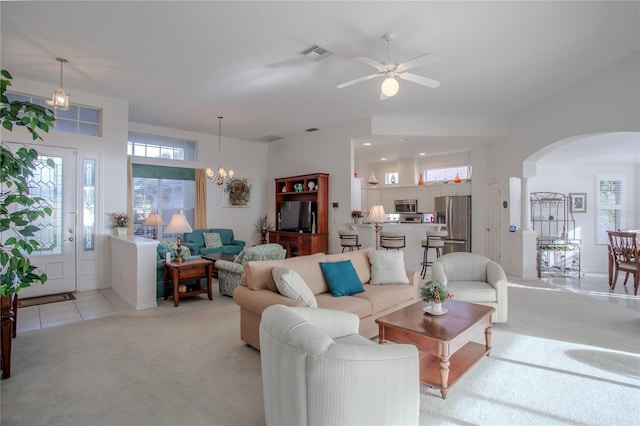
(43, 300)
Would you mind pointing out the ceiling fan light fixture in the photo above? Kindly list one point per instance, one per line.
(390, 87)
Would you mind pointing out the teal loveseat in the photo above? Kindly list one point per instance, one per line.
(162, 249)
(195, 241)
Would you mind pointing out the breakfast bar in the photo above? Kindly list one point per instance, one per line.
(414, 232)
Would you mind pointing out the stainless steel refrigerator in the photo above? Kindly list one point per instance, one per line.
(455, 212)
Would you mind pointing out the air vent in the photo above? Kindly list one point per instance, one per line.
(270, 138)
(311, 129)
(315, 53)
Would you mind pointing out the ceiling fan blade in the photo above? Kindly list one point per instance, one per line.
(429, 82)
(358, 80)
(365, 60)
(422, 59)
(383, 96)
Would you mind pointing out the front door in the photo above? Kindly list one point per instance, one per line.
(56, 255)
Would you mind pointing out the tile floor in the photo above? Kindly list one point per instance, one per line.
(101, 303)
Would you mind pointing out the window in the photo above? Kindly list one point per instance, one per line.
(163, 190)
(154, 146)
(610, 206)
(77, 119)
(88, 204)
(391, 178)
(447, 173)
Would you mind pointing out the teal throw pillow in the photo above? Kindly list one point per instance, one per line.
(342, 278)
(212, 239)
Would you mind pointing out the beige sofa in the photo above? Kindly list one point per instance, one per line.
(257, 291)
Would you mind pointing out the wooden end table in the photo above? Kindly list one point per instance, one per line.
(192, 269)
(444, 342)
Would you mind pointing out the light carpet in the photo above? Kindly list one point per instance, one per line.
(563, 358)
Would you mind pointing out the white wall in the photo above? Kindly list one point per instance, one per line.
(323, 151)
(247, 159)
(608, 101)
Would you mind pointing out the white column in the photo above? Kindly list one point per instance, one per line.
(525, 205)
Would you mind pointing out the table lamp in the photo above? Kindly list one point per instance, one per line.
(178, 225)
(377, 215)
(154, 219)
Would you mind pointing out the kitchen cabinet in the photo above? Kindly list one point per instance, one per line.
(370, 197)
(426, 197)
(386, 199)
(451, 188)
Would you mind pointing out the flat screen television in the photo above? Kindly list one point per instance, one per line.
(296, 216)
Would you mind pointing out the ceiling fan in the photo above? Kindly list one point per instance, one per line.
(390, 70)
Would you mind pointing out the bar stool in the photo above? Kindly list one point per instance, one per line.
(392, 240)
(349, 240)
(435, 240)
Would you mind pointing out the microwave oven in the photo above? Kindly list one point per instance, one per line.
(405, 206)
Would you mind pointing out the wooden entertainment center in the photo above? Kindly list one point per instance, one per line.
(314, 188)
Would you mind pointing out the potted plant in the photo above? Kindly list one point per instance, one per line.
(120, 222)
(19, 210)
(357, 216)
(262, 227)
(435, 292)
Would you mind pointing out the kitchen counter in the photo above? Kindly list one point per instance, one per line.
(414, 234)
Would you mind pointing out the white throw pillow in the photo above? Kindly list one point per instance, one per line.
(291, 285)
(387, 267)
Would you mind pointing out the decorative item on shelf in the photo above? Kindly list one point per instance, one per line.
(262, 227)
(445, 180)
(377, 215)
(311, 185)
(120, 222)
(154, 220)
(435, 292)
(298, 187)
(284, 188)
(421, 179)
(357, 216)
(178, 225)
(457, 178)
(371, 180)
(59, 98)
(222, 176)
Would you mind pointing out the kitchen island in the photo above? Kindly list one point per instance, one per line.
(414, 232)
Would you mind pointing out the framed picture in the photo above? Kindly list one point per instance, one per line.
(237, 193)
(578, 202)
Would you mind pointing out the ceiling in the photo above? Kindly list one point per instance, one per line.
(181, 64)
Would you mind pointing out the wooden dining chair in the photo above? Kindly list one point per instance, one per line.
(624, 255)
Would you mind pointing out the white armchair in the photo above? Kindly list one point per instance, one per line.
(474, 278)
(317, 369)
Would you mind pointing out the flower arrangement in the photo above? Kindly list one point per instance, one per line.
(263, 225)
(435, 291)
(356, 214)
(121, 220)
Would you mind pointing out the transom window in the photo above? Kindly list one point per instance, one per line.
(156, 146)
(79, 119)
(391, 178)
(446, 174)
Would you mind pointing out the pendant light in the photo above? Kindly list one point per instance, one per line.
(59, 98)
(222, 176)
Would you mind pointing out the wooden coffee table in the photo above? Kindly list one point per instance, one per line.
(192, 269)
(444, 342)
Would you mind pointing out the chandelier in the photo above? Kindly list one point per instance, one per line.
(222, 176)
(59, 99)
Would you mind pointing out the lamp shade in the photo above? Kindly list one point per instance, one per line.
(153, 219)
(178, 224)
(377, 214)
